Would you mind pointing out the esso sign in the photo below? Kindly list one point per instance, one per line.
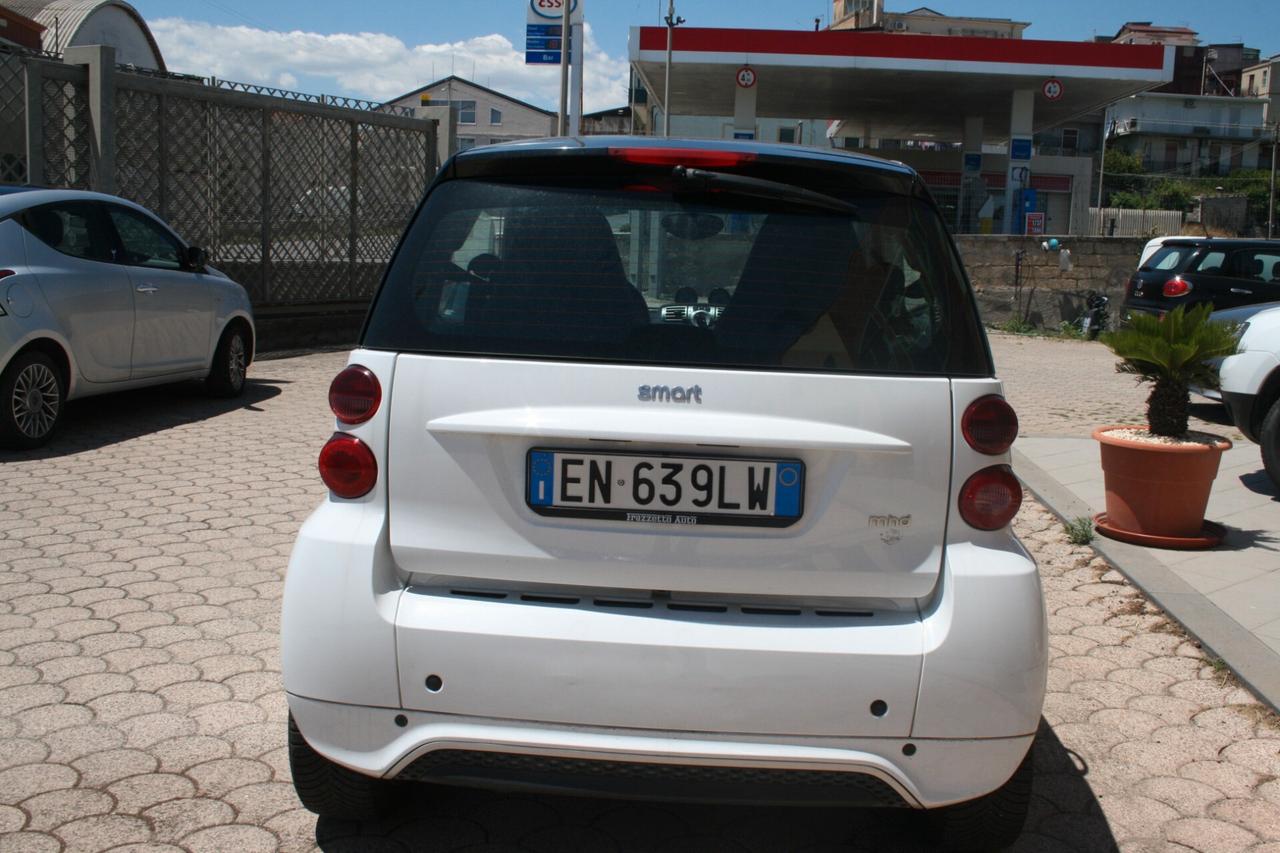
(746, 77)
(551, 8)
(1052, 89)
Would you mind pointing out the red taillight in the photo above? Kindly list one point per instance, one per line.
(989, 425)
(348, 466)
(990, 498)
(6, 273)
(354, 395)
(1177, 286)
(681, 157)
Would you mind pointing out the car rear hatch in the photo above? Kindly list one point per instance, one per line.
(1162, 283)
(627, 394)
(468, 437)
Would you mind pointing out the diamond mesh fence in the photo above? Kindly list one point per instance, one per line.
(138, 150)
(13, 124)
(66, 131)
(311, 207)
(301, 202)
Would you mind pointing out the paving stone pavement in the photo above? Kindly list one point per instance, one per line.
(141, 563)
(1063, 387)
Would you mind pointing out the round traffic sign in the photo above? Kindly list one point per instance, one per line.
(746, 77)
(1052, 89)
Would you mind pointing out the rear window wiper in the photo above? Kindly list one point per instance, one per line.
(702, 180)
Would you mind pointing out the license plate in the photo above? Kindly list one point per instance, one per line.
(665, 488)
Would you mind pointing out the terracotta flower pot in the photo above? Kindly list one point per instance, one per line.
(1157, 491)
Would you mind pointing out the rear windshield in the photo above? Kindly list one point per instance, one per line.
(1169, 258)
(631, 274)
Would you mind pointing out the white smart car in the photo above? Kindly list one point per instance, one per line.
(675, 470)
(98, 295)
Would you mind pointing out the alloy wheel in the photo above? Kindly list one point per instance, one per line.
(236, 360)
(35, 401)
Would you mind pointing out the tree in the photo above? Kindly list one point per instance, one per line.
(1122, 174)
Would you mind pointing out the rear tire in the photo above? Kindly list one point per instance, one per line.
(1269, 439)
(332, 790)
(32, 394)
(992, 822)
(230, 363)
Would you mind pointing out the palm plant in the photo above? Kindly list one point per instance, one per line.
(1173, 352)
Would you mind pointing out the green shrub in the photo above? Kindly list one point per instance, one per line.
(1079, 530)
(1016, 326)
(1173, 352)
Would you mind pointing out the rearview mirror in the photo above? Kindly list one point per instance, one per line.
(194, 258)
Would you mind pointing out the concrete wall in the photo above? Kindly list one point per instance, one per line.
(1049, 295)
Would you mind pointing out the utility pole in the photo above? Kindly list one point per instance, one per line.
(672, 23)
(1102, 169)
(565, 31)
(1271, 202)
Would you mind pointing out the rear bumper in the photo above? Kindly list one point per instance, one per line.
(1129, 309)
(963, 679)
(685, 766)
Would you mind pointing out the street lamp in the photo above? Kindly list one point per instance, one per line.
(672, 23)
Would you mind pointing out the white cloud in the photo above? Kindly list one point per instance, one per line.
(377, 66)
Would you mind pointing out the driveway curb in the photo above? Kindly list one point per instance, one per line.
(1257, 666)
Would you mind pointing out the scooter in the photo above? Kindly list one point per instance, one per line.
(1095, 318)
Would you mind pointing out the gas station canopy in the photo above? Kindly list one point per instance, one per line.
(895, 86)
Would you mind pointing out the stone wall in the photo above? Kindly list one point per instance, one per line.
(1049, 296)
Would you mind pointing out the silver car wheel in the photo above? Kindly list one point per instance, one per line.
(237, 356)
(35, 401)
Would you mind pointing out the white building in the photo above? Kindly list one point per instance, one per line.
(1263, 81)
(871, 14)
(72, 23)
(483, 116)
(1190, 134)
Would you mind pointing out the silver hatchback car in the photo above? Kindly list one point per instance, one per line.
(99, 295)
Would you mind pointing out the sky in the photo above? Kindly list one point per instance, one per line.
(384, 48)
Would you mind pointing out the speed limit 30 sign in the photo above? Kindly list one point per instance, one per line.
(1052, 89)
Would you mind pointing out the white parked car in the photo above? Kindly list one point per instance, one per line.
(1251, 381)
(98, 295)
(678, 470)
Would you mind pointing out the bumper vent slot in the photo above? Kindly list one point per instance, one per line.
(697, 608)
(684, 782)
(567, 600)
(478, 593)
